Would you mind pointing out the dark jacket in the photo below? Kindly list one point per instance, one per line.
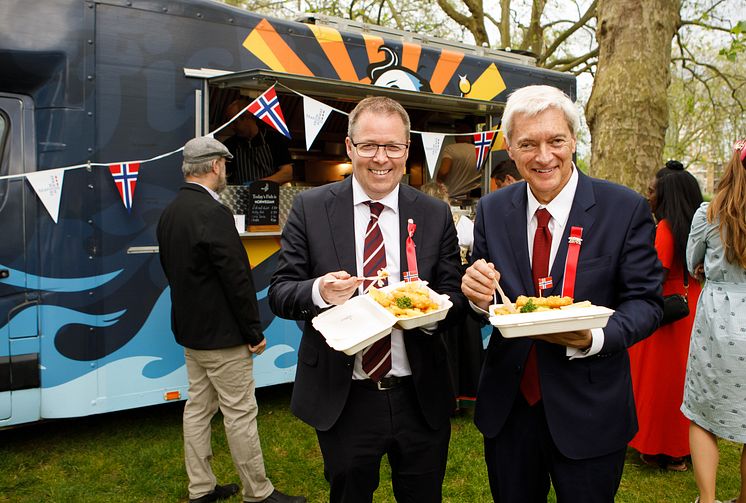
(319, 238)
(588, 402)
(213, 300)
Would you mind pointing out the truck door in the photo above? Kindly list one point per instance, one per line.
(19, 334)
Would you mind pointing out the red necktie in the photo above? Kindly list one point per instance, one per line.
(377, 356)
(540, 269)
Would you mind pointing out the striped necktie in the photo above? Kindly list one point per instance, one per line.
(376, 357)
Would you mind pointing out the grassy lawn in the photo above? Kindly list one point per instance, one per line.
(136, 456)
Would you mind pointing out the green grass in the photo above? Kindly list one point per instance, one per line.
(136, 456)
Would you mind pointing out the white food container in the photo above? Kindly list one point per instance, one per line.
(549, 322)
(361, 321)
(354, 325)
(424, 319)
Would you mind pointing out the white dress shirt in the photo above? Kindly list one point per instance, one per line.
(388, 222)
(559, 208)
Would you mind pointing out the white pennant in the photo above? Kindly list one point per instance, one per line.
(48, 186)
(432, 142)
(315, 114)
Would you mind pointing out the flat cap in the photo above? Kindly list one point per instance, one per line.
(204, 148)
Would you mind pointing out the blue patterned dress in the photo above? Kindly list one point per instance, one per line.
(715, 387)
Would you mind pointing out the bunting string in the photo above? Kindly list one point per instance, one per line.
(266, 107)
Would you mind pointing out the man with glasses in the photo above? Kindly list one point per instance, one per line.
(558, 408)
(392, 398)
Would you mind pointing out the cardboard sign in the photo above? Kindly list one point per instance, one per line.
(264, 206)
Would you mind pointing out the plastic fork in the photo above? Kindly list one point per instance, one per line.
(505, 300)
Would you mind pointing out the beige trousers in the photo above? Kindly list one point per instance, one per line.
(224, 378)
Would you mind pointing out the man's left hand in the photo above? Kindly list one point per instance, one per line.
(259, 348)
(580, 339)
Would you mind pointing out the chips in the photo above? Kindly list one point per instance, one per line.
(406, 301)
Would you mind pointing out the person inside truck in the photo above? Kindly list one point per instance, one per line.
(458, 165)
(503, 174)
(259, 153)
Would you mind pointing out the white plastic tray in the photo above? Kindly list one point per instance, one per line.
(549, 322)
(424, 319)
(354, 325)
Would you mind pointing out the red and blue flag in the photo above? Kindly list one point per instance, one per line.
(545, 283)
(410, 276)
(125, 178)
(482, 144)
(267, 108)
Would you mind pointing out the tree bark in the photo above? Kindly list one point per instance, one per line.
(628, 110)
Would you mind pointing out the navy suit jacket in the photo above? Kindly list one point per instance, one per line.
(588, 402)
(319, 238)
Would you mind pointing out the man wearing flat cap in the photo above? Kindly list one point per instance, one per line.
(215, 316)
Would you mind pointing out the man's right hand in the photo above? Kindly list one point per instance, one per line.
(478, 284)
(336, 287)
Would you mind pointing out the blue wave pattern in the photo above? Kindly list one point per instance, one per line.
(154, 338)
(21, 279)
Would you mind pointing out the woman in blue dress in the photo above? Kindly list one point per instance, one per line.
(715, 387)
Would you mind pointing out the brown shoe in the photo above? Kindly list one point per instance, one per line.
(676, 465)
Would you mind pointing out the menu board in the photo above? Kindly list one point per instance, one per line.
(264, 206)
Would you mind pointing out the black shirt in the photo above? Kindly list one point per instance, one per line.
(256, 158)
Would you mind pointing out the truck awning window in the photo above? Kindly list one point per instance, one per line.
(319, 87)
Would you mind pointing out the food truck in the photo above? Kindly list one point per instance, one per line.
(96, 99)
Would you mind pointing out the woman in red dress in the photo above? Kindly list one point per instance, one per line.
(658, 363)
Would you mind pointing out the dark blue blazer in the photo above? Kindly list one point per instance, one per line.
(588, 402)
(319, 238)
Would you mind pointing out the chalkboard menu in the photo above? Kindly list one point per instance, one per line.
(264, 206)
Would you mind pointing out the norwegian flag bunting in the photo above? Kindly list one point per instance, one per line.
(482, 144)
(267, 108)
(125, 177)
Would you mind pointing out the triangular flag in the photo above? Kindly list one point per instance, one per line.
(432, 142)
(499, 142)
(482, 143)
(125, 177)
(315, 114)
(48, 186)
(267, 108)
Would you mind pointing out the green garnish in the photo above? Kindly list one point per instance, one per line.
(529, 307)
(403, 302)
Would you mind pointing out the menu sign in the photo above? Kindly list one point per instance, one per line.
(264, 206)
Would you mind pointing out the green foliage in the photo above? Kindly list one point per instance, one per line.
(137, 456)
(737, 44)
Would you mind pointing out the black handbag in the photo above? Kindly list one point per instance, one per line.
(676, 306)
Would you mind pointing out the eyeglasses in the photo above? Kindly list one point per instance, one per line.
(529, 147)
(393, 150)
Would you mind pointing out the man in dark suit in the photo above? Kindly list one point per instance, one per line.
(560, 405)
(215, 316)
(400, 407)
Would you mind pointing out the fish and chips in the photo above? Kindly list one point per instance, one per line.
(406, 301)
(525, 304)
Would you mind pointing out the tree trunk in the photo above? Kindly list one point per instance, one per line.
(628, 111)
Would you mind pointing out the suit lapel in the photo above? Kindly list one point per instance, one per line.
(579, 217)
(340, 211)
(408, 209)
(516, 225)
